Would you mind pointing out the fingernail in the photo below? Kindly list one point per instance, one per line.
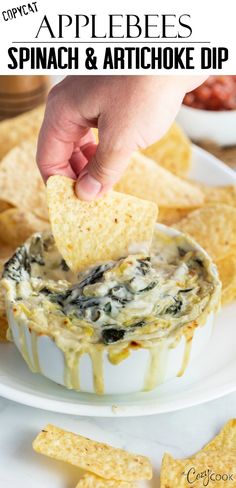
(88, 187)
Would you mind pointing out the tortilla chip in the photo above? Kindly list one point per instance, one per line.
(90, 232)
(217, 194)
(4, 206)
(225, 440)
(173, 151)
(214, 228)
(17, 225)
(220, 194)
(145, 179)
(95, 457)
(3, 317)
(227, 273)
(218, 456)
(170, 216)
(6, 250)
(21, 184)
(15, 130)
(3, 329)
(93, 481)
(177, 473)
(95, 134)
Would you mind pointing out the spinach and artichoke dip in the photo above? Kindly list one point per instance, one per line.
(137, 301)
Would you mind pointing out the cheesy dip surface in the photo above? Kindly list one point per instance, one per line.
(136, 299)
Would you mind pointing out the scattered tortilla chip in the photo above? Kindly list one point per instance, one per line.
(213, 227)
(90, 232)
(15, 130)
(98, 458)
(145, 179)
(217, 457)
(21, 184)
(17, 225)
(226, 439)
(177, 473)
(227, 273)
(173, 151)
(93, 481)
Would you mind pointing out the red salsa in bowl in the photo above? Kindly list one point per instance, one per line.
(216, 93)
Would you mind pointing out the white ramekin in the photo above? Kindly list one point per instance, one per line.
(216, 126)
(126, 377)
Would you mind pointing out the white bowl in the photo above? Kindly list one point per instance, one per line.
(217, 126)
(126, 377)
(170, 359)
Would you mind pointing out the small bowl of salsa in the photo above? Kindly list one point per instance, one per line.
(209, 111)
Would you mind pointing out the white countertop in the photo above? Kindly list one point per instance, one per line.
(180, 433)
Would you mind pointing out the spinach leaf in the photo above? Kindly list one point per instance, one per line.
(95, 274)
(110, 336)
(19, 264)
(64, 266)
(175, 307)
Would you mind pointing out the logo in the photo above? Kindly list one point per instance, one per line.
(207, 477)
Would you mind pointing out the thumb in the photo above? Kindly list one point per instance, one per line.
(103, 170)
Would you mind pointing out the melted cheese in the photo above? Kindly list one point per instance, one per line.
(147, 301)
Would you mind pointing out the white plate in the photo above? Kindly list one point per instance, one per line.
(206, 379)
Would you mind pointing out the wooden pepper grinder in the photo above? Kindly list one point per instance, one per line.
(19, 94)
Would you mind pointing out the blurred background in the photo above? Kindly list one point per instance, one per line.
(207, 115)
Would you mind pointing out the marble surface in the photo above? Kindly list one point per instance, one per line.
(179, 433)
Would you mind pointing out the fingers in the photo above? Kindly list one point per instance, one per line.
(53, 155)
(83, 153)
(60, 129)
(130, 113)
(103, 170)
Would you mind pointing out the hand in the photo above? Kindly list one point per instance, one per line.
(130, 112)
